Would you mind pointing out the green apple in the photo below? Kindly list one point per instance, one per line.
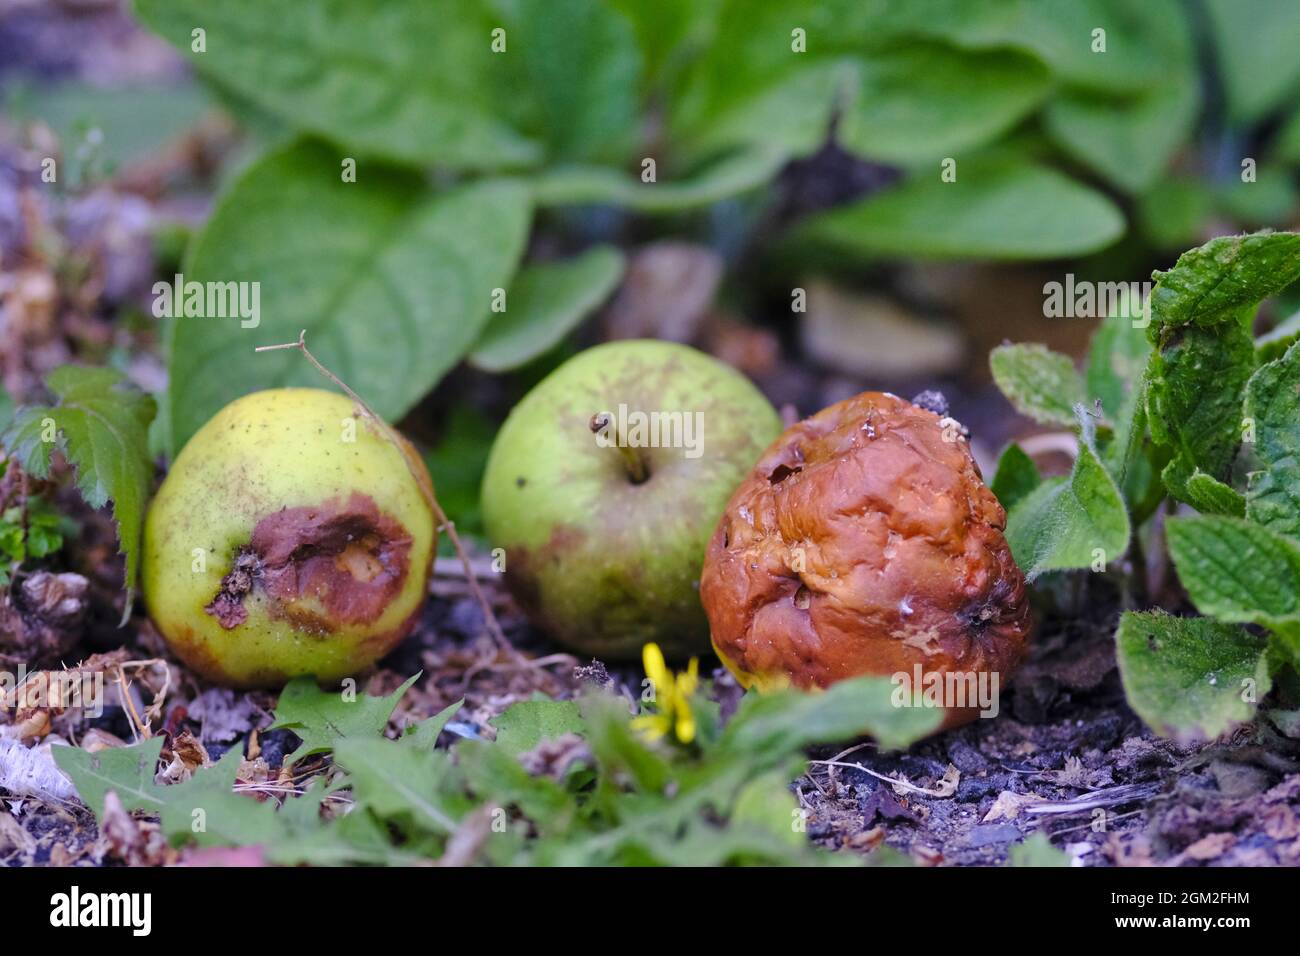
(290, 537)
(605, 483)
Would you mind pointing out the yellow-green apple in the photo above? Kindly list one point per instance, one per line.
(291, 536)
(604, 485)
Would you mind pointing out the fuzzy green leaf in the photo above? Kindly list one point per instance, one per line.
(546, 302)
(1211, 284)
(102, 425)
(1190, 677)
(1071, 522)
(1239, 572)
(1016, 477)
(1273, 405)
(1197, 383)
(390, 303)
(321, 718)
(1040, 383)
(993, 210)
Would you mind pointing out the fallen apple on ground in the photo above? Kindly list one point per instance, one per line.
(866, 542)
(604, 522)
(290, 537)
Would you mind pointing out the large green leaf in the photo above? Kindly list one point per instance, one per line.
(1197, 384)
(1015, 478)
(400, 781)
(410, 80)
(1129, 141)
(1255, 41)
(994, 210)
(1273, 404)
(1239, 572)
(1071, 522)
(1190, 677)
(127, 771)
(1040, 383)
(392, 282)
(926, 101)
(102, 425)
(545, 303)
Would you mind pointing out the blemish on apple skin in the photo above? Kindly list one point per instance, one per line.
(348, 557)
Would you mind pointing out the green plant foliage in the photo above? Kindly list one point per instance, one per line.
(390, 303)
(1040, 383)
(1253, 40)
(322, 717)
(1079, 521)
(545, 303)
(620, 800)
(1016, 477)
(1273, 405)
(1190, 677)
(1240, 572)
(994, 210)
(101, 424)
(1037, 851)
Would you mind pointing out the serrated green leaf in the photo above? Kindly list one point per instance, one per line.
(408, 80)
(1239, 572)
(395, 781)
(1211, 284)
(1273, 406)
(1197, 383)
(994, 210)
(1037, 851)
(527, 723)
(1210, 496)
(1190, 677)
(496, 776)
(1073, 522)
(127, 771)
(321, 718)
(1040, 383)
(102, 425)
(205, 809)
(424, 735)
(390, 303)
(1016, 477)
(546, 302)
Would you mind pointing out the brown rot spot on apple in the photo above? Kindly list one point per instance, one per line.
(347, 558)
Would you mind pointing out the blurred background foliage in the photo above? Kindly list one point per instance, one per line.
(507, 144)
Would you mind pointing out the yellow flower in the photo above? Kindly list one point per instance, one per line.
(672, 697)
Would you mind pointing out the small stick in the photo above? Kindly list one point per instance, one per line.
(415, 468)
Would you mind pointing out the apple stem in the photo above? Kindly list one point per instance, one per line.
(415, 468)
(634, 463)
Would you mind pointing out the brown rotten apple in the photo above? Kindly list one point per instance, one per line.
(865, 542)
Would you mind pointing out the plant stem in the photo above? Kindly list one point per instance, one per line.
(416, 469)
(632, 462)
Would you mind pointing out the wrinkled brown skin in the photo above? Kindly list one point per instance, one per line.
(904, 560)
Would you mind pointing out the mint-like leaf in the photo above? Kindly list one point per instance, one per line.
(1190, 677)
(1273, 405)
(1212, 284)
(1040, 383)
(1070, 522)
(101, 424)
